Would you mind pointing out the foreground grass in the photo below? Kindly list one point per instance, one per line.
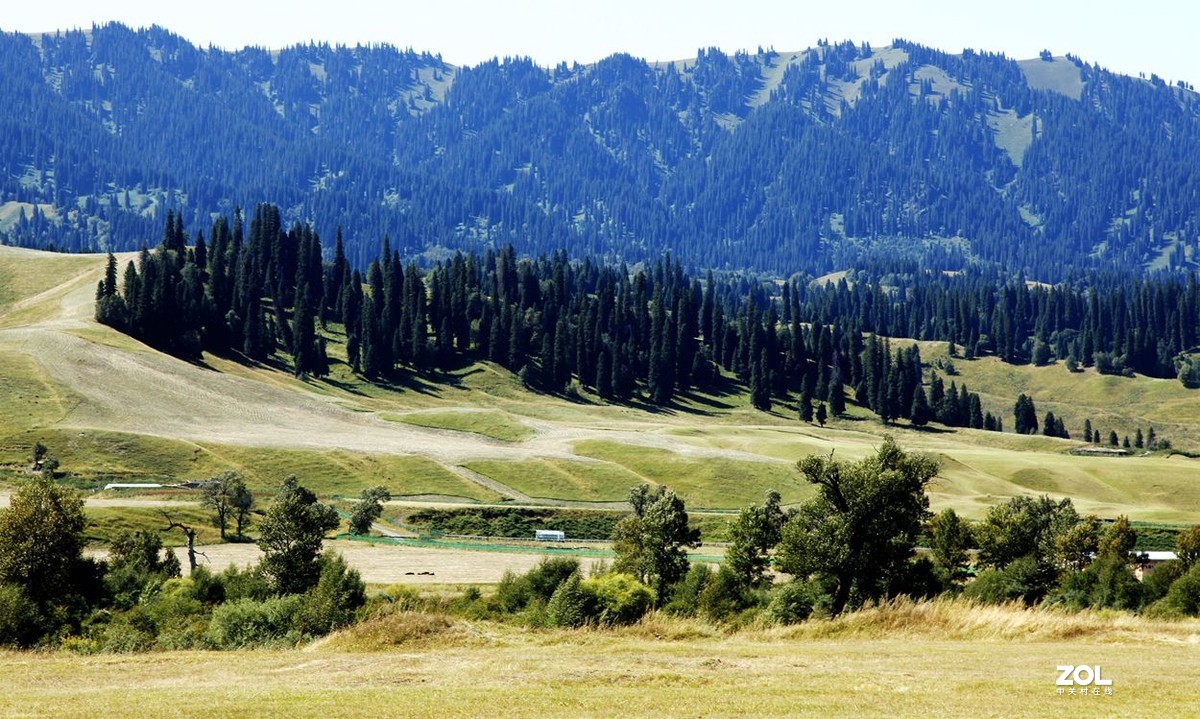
(884, 663)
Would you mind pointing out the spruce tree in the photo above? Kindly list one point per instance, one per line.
(760, 382)
(604, 384)
(976, 412)
(110, 276)
(1048, 424)
(806, 400)
(918, 411)
(836, 397)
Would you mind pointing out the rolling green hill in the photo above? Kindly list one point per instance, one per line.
(112, 409)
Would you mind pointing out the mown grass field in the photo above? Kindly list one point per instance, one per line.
(936, 661)
(705, 482)
(489, 423)
(104, 524)
(561, 479)
(103, 457)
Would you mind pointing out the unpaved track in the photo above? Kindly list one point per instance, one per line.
(141, 391)
(389, 563)
(102, 502)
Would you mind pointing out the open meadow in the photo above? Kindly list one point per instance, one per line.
(937, 660)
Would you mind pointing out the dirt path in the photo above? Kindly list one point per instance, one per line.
(488, 483)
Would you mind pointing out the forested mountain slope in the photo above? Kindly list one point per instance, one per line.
(788, 162)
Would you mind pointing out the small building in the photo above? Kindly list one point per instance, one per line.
(1145, 562)
(549, 535)
(132, 485)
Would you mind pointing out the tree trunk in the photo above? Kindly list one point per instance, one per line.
(842, 595)
(191, 537)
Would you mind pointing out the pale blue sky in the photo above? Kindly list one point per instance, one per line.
(1129, 37)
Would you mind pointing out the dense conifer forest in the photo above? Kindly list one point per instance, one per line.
(766, 161)
(645, 334)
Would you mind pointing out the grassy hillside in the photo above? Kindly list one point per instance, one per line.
(111, 408)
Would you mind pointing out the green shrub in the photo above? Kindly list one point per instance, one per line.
(546, 577)
(923, 579)
(1158, 582)
(206, 587)
(618, 598)
(20, 620)
(685, 596)
(248, 622)
(1184, 595)
(517, 592)
(124, 638)
(791, 603)
(568, 606)
(137, 566)
(469, 604)
(395, 599)
(403, 597)
(175, 610)
(249, 583)
(1113, 585)
(1025, 579)
(332, 603)
(724, 596)
(512, 593)
(517, 522)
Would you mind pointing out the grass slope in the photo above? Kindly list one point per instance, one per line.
(113, 409)
(489, 423)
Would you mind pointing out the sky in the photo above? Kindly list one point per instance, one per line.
(1124, 36)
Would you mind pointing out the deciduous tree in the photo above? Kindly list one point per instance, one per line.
(291, 536)
(860, 529)
(652, 543)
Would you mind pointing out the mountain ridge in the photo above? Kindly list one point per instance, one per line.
(778, 162)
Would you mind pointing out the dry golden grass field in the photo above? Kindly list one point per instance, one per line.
(911, 660)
